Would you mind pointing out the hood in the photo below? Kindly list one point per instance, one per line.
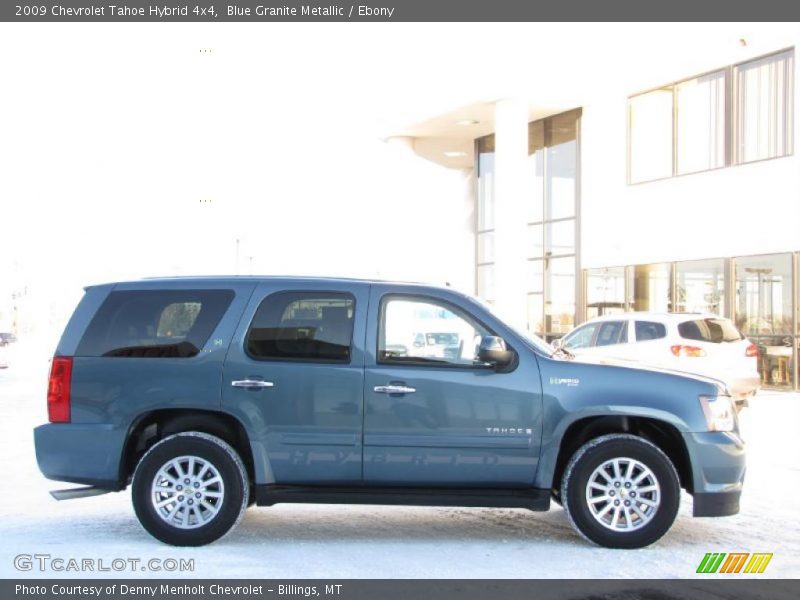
(641, 366)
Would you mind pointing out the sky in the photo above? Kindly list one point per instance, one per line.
(131, 150)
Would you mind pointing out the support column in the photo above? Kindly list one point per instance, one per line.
(510, 195)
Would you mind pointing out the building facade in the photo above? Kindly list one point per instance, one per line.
(681, 196)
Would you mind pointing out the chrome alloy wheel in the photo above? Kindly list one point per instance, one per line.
(623, 494)
(187, 492)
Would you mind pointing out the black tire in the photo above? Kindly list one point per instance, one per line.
(595, 453)
(230, 506)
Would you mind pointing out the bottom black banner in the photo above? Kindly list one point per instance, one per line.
(714, 588)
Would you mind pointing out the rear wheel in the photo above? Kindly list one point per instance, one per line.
(190, 489)
(620, 491)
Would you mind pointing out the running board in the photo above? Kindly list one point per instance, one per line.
(530, 498)
(82, 492)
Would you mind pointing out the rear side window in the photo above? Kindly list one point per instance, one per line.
(154, 323)
(613, 332)
(649, 330)
(303, 326)
(715, 331)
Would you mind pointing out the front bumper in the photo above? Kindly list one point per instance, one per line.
(718, 469)
(80, 453)
(716, 504)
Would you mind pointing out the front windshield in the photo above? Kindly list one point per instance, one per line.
(533, 340)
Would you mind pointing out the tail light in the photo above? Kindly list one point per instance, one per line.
(752, 351)
(58, 390)
(681, 350)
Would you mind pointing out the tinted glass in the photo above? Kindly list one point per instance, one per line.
(312, 326)
(580, 338)
(449, 337)
(710, 330)
(613, 332)
(648, 330)
(154, 324)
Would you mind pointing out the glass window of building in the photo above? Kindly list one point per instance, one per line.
(764, 294)
(764, 107)
(551, 218)
(700, 123)
(605, 291)
(536, 152)
(700, 286)
(734, 115)
(536, 312)
(764, 310)
(535, 275)
(650, 288)
(485, 277)
(560, 237)
(485, 218)
(552, 225)
(559, 297)
(650, 135)
(562, 165)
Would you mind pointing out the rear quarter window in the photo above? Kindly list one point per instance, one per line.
(715, 331)
(154, 323)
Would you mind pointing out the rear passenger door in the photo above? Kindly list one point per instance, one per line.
(294, 375)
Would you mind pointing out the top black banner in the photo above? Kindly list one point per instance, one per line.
(401, 11)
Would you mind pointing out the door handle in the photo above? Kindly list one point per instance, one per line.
(394, 389)
(252, 383)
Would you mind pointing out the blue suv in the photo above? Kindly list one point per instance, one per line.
(208, 395)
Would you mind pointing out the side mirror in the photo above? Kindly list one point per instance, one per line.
(493, 350)
(557, 343)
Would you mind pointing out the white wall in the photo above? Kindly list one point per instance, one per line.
(747, 209)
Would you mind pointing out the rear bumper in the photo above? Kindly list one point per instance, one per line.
(718, 469)
(80, 453)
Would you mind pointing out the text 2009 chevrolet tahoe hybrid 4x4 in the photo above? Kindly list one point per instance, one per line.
(210, 394)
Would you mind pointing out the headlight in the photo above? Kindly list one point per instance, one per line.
(719, 412)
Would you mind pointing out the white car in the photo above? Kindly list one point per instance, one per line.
(700, 343)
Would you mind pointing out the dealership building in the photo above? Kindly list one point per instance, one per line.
(667, 182)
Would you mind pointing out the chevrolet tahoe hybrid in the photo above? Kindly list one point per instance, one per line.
(208, 395)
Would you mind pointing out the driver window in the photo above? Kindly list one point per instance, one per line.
(416, 331)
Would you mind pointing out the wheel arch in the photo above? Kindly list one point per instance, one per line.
(155, 425)
(663, 434)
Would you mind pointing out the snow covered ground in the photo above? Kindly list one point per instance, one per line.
(316, 541)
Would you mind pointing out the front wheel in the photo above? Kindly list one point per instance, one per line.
(190, 489)
(620, 491)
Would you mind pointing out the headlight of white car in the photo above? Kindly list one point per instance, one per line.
(719, 412)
